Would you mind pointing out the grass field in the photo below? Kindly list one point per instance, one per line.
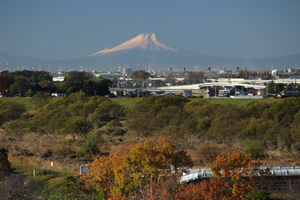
(29, 106)
(239, 102)
(127, 102)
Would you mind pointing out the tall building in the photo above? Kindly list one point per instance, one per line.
(127, 71)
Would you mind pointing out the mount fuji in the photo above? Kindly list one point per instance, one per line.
(144, 41)
(147, 51)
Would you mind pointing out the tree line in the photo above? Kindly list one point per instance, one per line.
(257, 127)
(29, 83)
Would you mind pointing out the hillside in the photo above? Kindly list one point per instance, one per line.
(34, 141)
(69, 132)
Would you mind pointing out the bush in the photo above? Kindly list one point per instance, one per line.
(90, 145)
(115, 123)
(79, 125)
(256, 149)
(296, 148)
(40, 99)
(262, 195)
(10, 111)
(77, 114)
(64, 150)
(208, 152)
(5, 167)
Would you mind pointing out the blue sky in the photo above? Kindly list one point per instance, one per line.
(59, 29)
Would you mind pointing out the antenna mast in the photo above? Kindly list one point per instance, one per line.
(7, 69)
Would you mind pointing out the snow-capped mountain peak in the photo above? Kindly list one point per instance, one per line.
(144, 41)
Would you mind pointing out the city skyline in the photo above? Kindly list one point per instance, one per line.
(75, 29)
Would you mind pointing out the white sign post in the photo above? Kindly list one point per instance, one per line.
(51, 165)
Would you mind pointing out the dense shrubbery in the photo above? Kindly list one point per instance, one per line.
(10, 111)
(274, 125)
(40, 99)
(153, 113)
(76, 114)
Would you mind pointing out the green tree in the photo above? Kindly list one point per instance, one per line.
(5, 81)
(96, 86)
(140, 75)
(30, 80)
(83, 81)
(273, 88)
(21, 85)
(74, 81)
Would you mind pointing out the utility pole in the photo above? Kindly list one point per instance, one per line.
(215, 91)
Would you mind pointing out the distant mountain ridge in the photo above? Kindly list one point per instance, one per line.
(145, 51)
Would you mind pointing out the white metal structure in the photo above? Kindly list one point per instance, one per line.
(205, 172)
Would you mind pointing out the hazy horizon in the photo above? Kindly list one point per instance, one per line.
(74, 29)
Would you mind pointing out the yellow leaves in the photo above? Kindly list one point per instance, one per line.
(129, 171)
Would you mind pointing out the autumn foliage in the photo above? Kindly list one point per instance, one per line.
(132, 172)
(144, 172)
(240, 174)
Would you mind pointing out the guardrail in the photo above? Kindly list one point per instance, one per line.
(205, 172)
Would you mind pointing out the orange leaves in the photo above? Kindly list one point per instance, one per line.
(127, 173)
(142, 164)
(239, 172)
(98, 177)
(143, 172)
